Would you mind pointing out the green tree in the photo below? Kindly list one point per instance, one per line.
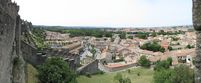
(152, 46)
(130, 37)
(180, 74)
(120, 78)
(189, 46)
(161, 49)
(142, 35)
(122, 35)
(108, 34)
(126, 80)
(38, 37)
(55, 70)
(165, 64)
(169, 60)
(183, 74)
(163, 76)
(144, 61)
(154, 34)
(161, 65)
(170, 48)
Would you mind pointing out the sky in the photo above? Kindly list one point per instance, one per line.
(107, 13)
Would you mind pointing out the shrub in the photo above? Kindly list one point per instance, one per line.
(169, 60)
(170, 48)
(129, 71)
(120, 78)
(55, 70)
(161, 65)
(152, 46)
(180, 74)
(88, 75)
(130, 37)
(189, 46)
(144, 61)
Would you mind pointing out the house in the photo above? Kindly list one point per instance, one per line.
(186, 57)
(131, 57)
(149, 53)
(85, 54)
(106, 57)
(165, 44)
(181, 56)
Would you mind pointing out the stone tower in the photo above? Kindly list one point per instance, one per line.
(11, 61)
(197, 27)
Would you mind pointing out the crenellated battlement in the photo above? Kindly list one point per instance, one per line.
(9, 8)
(10, 43)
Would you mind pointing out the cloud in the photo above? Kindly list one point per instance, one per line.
(116, 13)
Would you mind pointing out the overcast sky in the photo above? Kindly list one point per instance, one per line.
(107, 13)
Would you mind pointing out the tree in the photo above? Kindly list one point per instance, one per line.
(38, 37)
(189, 46)
(163, 76)
(161, 65)
(154, 34)
(180, 74)
(126, 80)
(161, 49)
(152, 46)
(130, 37)
(170, 48)
(122, 35)
(55, 70)
(108, 34)
(183, 74)
(120, 78)
(93, 51)
(169, 60)
(162, 32)
(165, 64)
(142, 35)
(144, 61)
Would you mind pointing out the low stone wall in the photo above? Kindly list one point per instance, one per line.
(90, 68)
(110, 69)
(123, 67)
(97, 66)
(30, 54)
(72, 59)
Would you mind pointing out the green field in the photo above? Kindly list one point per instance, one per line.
(146, 76)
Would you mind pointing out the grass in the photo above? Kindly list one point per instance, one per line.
(146, 76)
(32, 73)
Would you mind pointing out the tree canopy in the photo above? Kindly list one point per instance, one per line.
(152, 46)
(55, 70)
(180, 74)
(144, 61)
(165, 64)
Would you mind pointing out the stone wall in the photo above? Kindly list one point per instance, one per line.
(10, 56)
(197, 26)
(91, 68)
(30, 54)
(71, 58)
